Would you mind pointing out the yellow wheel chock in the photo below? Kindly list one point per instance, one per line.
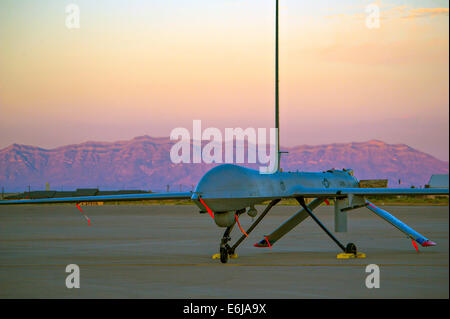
(350, 256)
(217, 256)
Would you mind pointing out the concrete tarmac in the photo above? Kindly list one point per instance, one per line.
(165, 252)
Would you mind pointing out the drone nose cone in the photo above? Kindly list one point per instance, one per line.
(428, 243)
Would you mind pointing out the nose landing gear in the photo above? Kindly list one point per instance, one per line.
(223, 255)
(225, 250)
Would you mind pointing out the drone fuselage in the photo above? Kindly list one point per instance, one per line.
(230, 187)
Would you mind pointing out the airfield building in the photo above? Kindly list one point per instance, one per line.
(438, 181)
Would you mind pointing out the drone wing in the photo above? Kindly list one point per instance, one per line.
(101, 198)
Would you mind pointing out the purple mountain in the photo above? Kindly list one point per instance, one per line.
(144, 163)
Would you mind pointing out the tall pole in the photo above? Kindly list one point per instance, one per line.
(277, 93)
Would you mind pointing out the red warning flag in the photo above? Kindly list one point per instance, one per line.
(415, 245)
(87, 218)
(237, 220)
(270, 247)
(207, 208)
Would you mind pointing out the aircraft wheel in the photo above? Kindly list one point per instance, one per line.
(351, 248)
(223, 255)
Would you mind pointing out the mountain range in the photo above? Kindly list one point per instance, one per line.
(144, 163)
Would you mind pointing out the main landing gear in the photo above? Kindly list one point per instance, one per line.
(349, 251)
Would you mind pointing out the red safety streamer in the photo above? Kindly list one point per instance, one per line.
(415, 245)
(327, 202)
(237, 220)
(207, 208)
(89, 221)
(270, 247)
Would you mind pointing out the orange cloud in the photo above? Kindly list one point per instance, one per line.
(426, 12)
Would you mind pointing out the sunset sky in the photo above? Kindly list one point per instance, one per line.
(146, 67)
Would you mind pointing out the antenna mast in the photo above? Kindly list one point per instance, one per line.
(277, 93)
